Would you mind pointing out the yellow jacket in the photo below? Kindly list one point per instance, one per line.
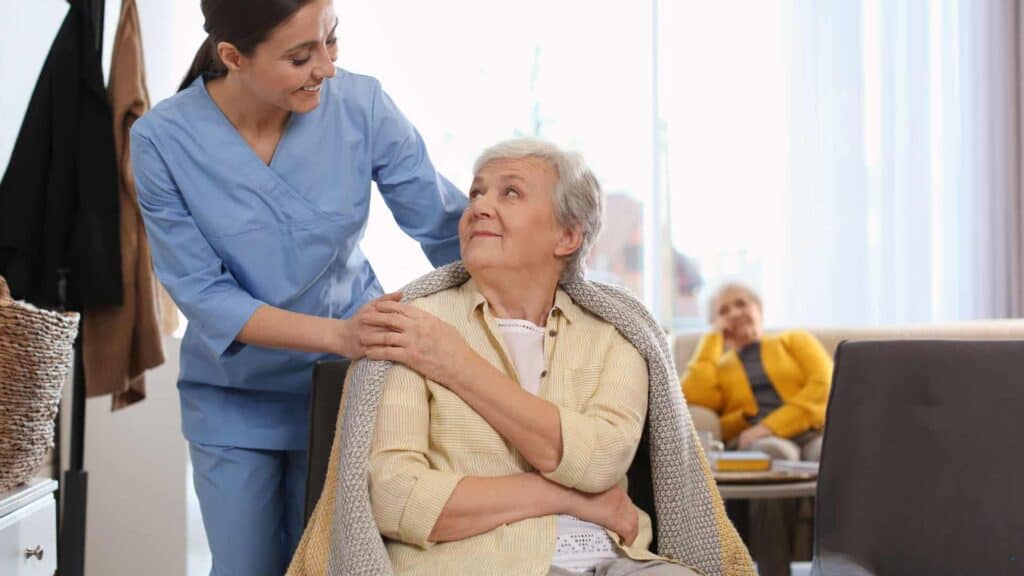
(796, 364)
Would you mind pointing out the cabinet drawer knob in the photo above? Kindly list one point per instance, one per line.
(36, 552)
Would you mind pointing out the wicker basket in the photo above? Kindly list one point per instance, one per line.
(36, 351)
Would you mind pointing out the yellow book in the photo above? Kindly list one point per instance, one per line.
(741, 461)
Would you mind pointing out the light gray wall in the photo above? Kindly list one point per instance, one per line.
(137, 513)
(171, 34)
(24, 42)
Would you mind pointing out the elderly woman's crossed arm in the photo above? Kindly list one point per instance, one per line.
(579, 457)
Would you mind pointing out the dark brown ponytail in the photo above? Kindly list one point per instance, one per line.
(206, 63)
(244, 23)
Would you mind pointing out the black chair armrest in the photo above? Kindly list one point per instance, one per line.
(328, 382)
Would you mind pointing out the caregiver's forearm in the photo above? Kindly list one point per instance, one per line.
(272, 327)
(481, 504)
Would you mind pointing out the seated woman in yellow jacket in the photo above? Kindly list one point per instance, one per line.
(765, 393)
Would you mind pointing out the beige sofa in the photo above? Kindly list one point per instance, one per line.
(684, 344)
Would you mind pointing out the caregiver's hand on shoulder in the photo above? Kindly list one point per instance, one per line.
(417, 339)
(346, 338)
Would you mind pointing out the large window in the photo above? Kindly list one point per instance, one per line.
(855, 161)
(850, 160)
(722, 100)
(578, 73)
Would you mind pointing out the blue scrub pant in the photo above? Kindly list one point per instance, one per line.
(252, 503)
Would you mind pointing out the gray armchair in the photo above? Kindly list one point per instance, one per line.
(328, 382)
(922, 470)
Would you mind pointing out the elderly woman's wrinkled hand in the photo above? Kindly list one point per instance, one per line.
(753, 434)
(612, 509)
(737, 338)
(417, 339)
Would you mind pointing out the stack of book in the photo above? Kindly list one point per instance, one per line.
(741, 461)
(801, 467)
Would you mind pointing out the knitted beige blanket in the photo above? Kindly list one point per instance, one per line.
(341, 538)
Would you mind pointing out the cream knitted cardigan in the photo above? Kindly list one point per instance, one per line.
(341, 538)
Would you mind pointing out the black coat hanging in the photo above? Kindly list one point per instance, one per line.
(59, 222)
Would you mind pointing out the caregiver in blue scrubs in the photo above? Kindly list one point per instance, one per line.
(254, 184)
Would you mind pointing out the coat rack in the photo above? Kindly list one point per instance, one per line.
(71, 547)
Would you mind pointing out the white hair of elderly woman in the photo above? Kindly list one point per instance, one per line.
(578, 200)
(728, 286)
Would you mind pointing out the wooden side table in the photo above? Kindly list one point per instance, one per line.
(28, 529)
(773, 550)
(767, 485)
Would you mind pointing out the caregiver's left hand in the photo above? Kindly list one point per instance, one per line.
(419, 340)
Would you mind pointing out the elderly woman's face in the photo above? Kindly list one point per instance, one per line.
(738, 316)
(510, 221)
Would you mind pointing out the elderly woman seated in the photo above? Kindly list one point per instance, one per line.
(512, 415)
(758, 392)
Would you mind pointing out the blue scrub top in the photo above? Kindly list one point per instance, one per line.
(229, 233)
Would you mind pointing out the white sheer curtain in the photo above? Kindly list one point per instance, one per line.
(859, 161)
(900, 198)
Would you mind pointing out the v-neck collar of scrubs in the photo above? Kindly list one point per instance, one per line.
(282, 161)
(222, 118)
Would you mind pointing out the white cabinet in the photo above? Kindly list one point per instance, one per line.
(28, 530)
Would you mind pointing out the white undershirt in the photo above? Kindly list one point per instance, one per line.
(580, 545)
